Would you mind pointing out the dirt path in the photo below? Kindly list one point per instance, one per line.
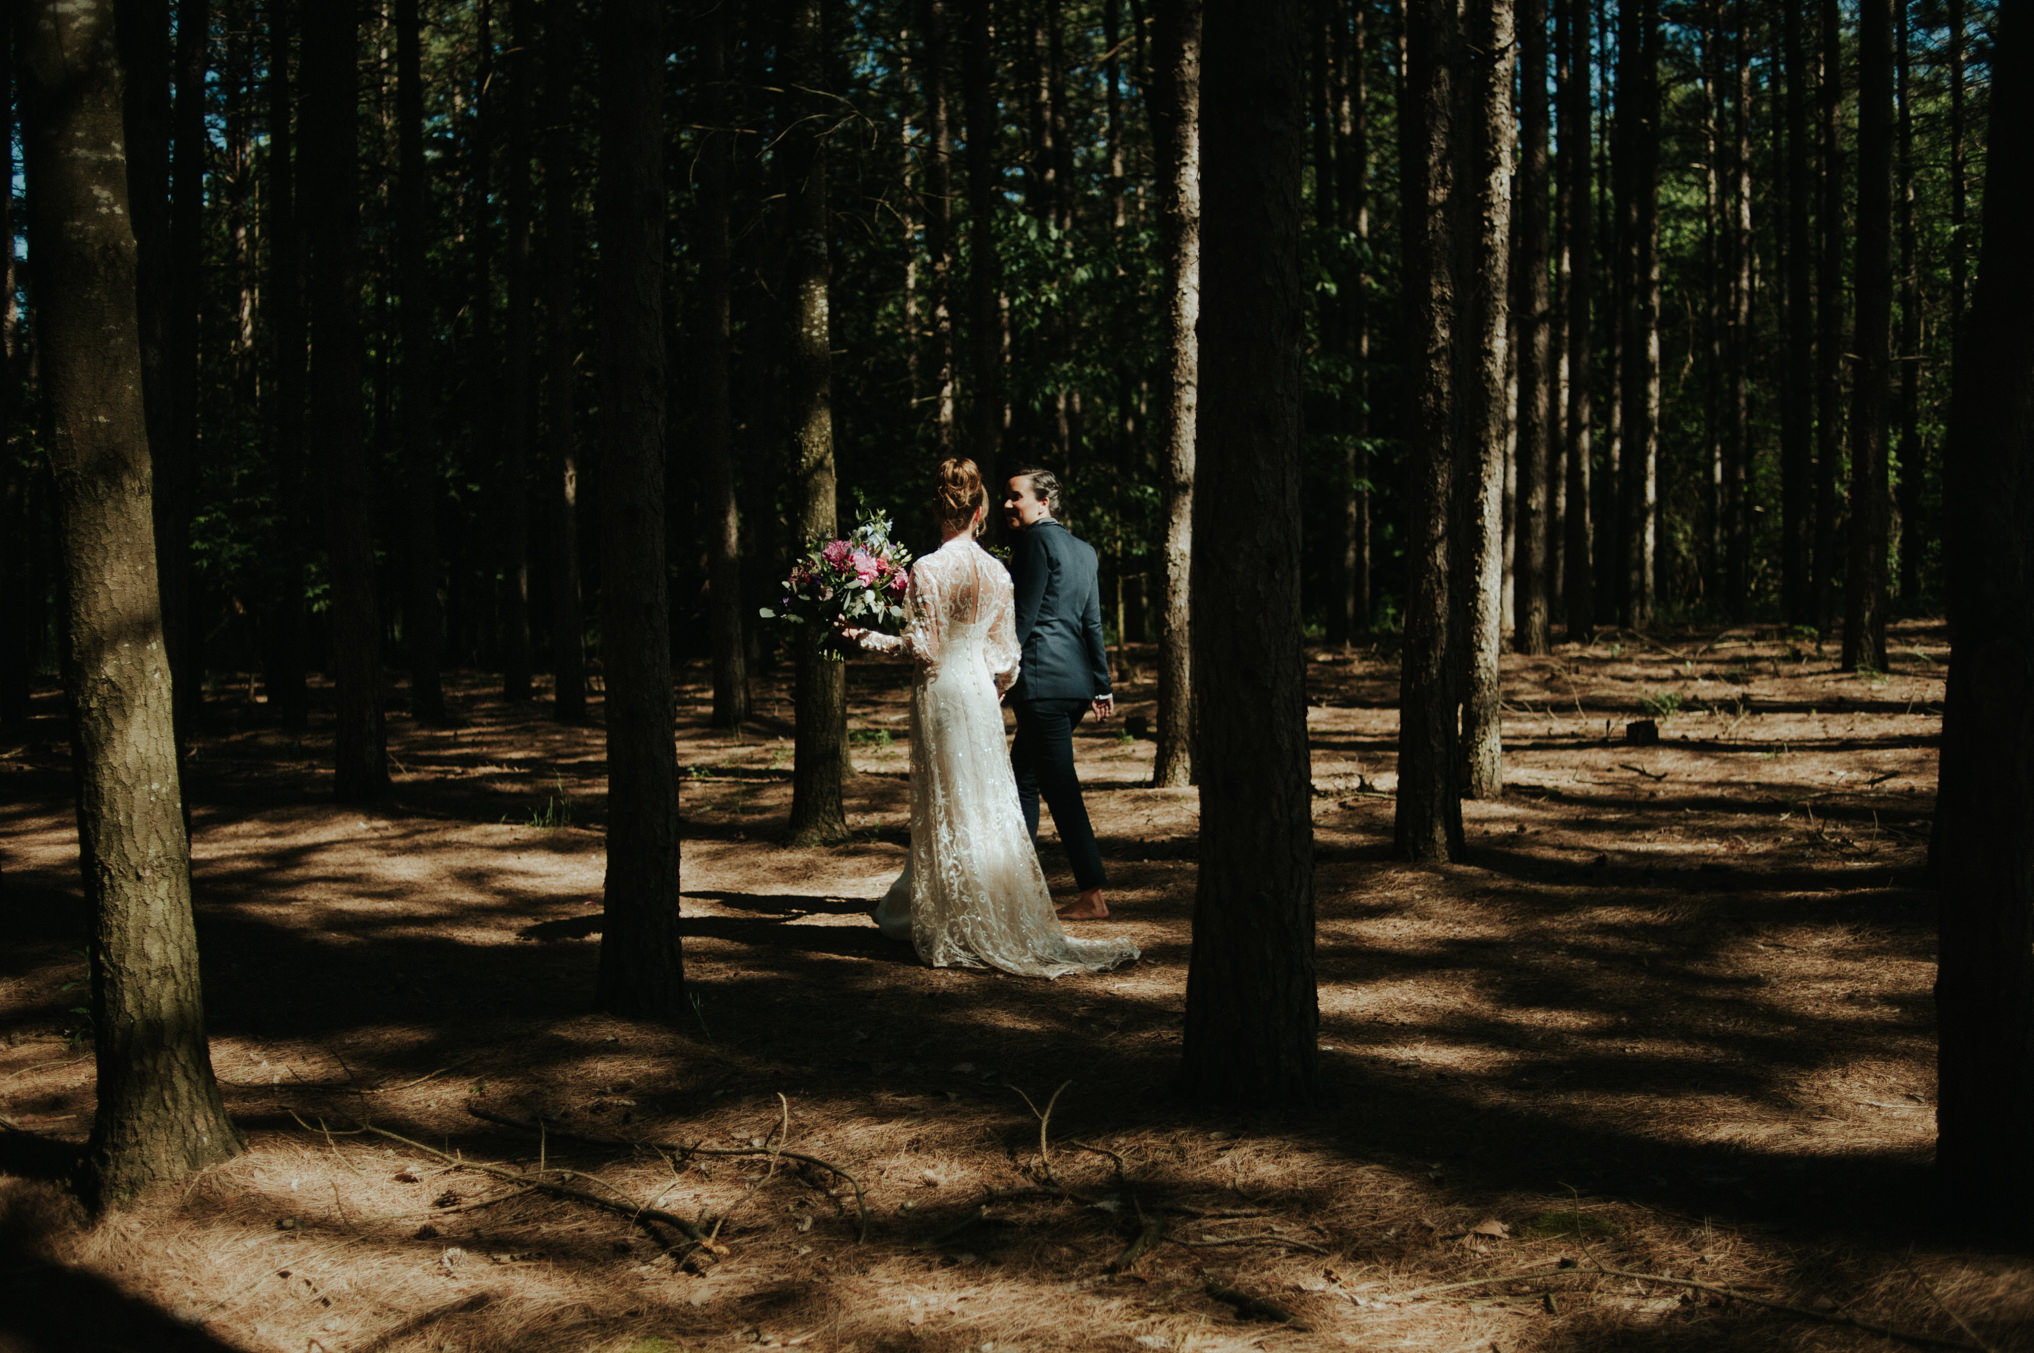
(1672, 1017)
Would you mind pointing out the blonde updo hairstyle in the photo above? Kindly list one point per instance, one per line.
(961, 498)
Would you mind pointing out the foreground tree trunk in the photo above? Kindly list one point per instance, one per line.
(331, 210)
(1865, 583)
(1984, 991)
(1175, 121)
(1252, 1013)
(642, 971)
(160, 1115)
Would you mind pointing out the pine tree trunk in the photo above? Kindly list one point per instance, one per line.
(934, 75)
(1427, 822)
(1638, 119)
(1352, 181)
(1914, 469)
(160, 1115)
(1797, 379)
(1865, 584)
(985, 274)
(642, 970)
(1482, 389)
(1829, 324)
(517, 663)
(1578, 580)
(1529, 572)
(567, 610)
(423, 626)
(1252, 1013)
(338, 444)
(1175, 124)
(1984, 990)
(18, 638)
(287, 620)
(1737, 442)
(820, 734)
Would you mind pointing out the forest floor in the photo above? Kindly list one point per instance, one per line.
(1653, 1067)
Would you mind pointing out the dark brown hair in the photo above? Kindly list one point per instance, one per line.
(960, 493)
(1044, 486)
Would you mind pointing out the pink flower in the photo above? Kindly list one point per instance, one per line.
(900, 583)
(837, 553)
(866, 566)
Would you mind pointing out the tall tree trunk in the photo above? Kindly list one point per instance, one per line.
(934, 75)
(716, 410)
(483, 369)
(985, 273)
(1959, 169)
(567, 611)
(1865, 589)
(1578, 590)
(1482, 389)
(288, 617)
(642, 970)
(1529, 570)
(1829, 324)
(1352, 182)
(1797, 377)
(517, 405)
(19, 638)
(1427, 822)
(160, 1115)
(1737, 444)
(331, 205)
(821, 763)
(1984, 991)
(1638, 126)
(1913, 460)
(1252, 1013)
(1175, 128)
(423, 617)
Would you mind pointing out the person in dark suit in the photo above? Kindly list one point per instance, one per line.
(1063, 676)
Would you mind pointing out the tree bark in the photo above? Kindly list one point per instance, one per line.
(1578, 589)
(1252, 1013)
(160, 1115)
(1865, 586)
(642, 970)
(516, 405)
(1175, 125)
(1737, 350)
(937, 159)
(338, 447)
(567, 611)
(287, 619)
(820, 735)
(1829, 324)
(1984, 990)
(1427, 823)
(1797, 379)
(1638, 127)
(1912, 455)
(1529, 570)
(423, 617)
(985, 273)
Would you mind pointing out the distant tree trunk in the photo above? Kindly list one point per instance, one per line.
(1482, 399)
(483, 365)
(1912, 457)
(723, 519)
(1737, 351)
(177, 465)
(821, 762)
(423, 617)
(1638, 126)
(1428, 819)
(289, 340)
(642, 970)
(516, 405)
(160, 1115)
(338, 447)
(1578, 590)
(1797, 377)
(1984, 992)
(934, 77)
(1252, 1013)
(1352, 182)
(18, 635)
(1529, 571)
(1829, 325)
(1959, 169)
(985, 273)
(567, 610)
(1865, 584)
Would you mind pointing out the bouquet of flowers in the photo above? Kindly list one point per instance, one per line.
(861, 578)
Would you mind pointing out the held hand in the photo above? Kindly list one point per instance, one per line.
(1104, 706)
(849, 632)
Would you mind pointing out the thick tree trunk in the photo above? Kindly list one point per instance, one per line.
(567, 610)
(160, 1115)
(1175, 123)
(1865, 585)
(424, 622)
(821, 764)
(985, 273)
(1482, 389)
(338, 444)
(1984, 990)
(1529, 570)
(1252, 1014)
(1578, 554)
(1427, 823)
(642, 970)
(1797, 378)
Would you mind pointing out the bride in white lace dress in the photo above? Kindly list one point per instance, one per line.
(972, 892)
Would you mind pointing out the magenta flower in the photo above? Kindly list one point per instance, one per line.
(837, 553)
(865, 566)
(900, 583)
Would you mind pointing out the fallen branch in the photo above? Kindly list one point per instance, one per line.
(677, 1149)
(1147, 1239)
(1044, 1122)
(1638, 770)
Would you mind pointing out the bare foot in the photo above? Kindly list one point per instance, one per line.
(1089, 906)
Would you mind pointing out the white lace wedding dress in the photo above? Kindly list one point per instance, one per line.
(972, 892)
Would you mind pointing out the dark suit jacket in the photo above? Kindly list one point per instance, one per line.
(1059, 616)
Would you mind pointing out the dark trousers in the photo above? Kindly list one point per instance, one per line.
(1042, 757)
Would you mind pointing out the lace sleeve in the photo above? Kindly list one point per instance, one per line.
(1004, 652)
(921, 636)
